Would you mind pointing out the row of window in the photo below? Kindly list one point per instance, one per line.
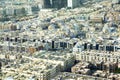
(95, 58)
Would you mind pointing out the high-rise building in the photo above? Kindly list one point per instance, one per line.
(73, 3)
(47, 3)
(0, 65)
(61, 3)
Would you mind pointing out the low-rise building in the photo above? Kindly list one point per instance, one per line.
(97, 56)
(66, 60)
(42, 70)
(73, 76)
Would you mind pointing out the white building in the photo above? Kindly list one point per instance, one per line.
(94, 56)
(28, 10)
(115, 1)
(9, 11)
(66, 60)
(73, 3)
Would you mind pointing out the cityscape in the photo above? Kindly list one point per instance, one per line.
(59, 39)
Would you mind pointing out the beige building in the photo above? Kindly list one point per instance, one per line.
(98, 56)
(81, 68)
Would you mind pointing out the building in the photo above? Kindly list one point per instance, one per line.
(66, 60)
(28, 10)
(115, 1)
(7, 27)
(96, 18)
(41, 70)
(94, 56)
(81, 68)
(73, 3)
(58, 3)
(84, 45)
(9, 11)
(73, 76)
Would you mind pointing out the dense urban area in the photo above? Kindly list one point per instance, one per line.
(59, 39)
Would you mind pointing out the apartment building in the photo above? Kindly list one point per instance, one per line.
(73, 3)
(42, 70)
(98, 56)
(81, 68)
(73, 76)
(109, 46)
(66, 60)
